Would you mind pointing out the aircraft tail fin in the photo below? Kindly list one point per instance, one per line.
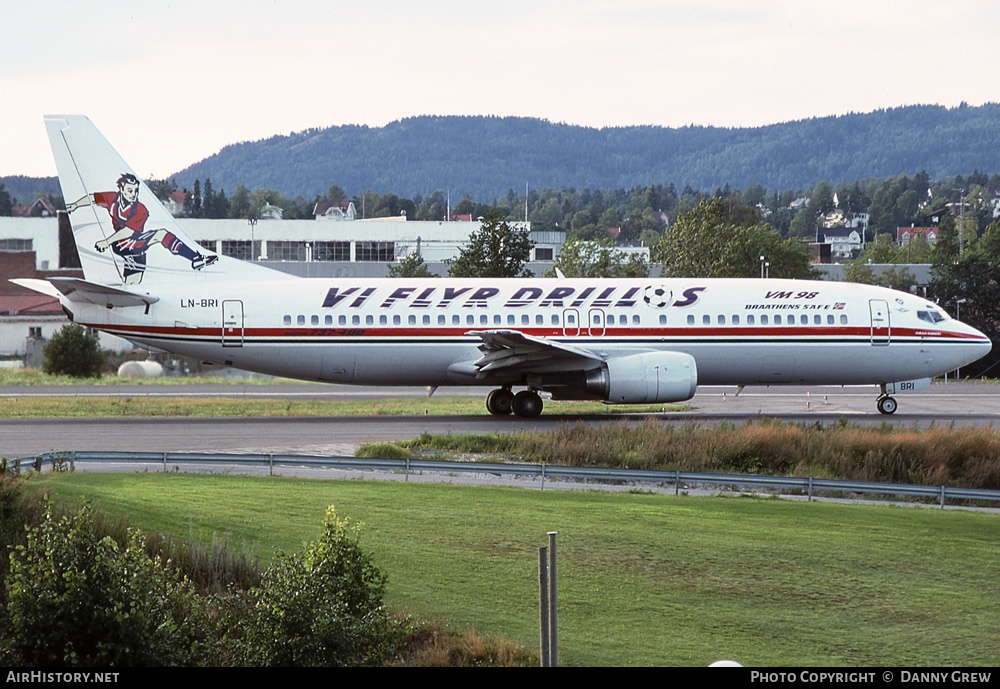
(123, 233)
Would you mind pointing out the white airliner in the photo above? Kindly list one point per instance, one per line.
(625, 341)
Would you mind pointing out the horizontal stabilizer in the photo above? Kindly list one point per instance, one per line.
(79, 290)
(35, 285)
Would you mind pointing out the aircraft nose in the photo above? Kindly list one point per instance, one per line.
(979, 345)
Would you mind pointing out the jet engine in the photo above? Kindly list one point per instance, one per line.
(645, 378)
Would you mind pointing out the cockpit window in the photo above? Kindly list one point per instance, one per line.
(931, 316)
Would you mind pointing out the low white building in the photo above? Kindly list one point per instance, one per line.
(361, 248)
(40, 235)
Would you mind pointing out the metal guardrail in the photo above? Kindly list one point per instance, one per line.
(679, 479)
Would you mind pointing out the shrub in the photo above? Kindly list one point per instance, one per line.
(382, 451)
(74, 352)
(322, 607)
(77, 599)
(20, 508)
(432, 645)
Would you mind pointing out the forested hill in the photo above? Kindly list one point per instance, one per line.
(486, 156)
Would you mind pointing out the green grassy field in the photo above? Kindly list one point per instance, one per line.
(643, 579)
(234, 405)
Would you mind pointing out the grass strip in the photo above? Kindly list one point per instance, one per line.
(36, 377)
(92, 406)
(940, 455)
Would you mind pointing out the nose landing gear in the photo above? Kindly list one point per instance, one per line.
(885, 403)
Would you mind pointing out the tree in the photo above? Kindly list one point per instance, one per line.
(859, 271)
(411, 266)
(549, 214)
(802, 224)
(724, 239)
(260, 198)
(645, 220)
(467, 206)
(298, 208)
(598, 259)
(74, 352)
(880, 250)
(752, 195)
(6, 206)
(335, 193)
(821, 200)
(239, 205)
(972, 279)
(387, 206)
(366, 203)
(214, 205)
(588, 233)
(208, 200)
(917, 250)
(495, 250)
(898, 278)
(162, 188)
(197, 209)
(221, 206)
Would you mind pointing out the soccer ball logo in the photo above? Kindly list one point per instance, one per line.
(657, 296)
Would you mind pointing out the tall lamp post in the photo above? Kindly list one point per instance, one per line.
(763, 258)
(958, 316)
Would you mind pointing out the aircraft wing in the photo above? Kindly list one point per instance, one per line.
(511, 349)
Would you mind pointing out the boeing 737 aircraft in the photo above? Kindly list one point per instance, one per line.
(625, 341)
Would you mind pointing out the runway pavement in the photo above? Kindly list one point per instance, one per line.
(952, 403)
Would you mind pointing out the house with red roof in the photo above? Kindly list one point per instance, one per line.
(906, 234)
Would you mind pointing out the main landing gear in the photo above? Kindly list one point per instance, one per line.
(526, 404)
(885, 403)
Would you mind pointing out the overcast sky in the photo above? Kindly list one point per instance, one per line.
(171, 82)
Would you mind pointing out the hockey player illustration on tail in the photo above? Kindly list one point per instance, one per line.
(131, 240)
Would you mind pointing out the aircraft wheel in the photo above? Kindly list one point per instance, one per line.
(500, 402)
(886, 405)
(527, 404)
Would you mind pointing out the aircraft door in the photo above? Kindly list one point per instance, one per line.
(232, 323)
(597, 325)
(881, 328)
(571, 322)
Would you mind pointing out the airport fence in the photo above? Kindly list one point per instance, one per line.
(678, 480)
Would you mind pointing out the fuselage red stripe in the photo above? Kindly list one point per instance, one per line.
(377, 332)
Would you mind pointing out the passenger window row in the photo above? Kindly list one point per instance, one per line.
(554, 319)
(455, 319)
(766, 319)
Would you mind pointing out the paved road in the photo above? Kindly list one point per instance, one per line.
(958, 403)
